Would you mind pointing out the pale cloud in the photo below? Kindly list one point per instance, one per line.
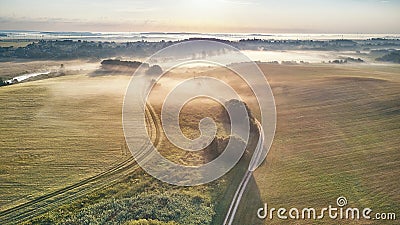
(240, 2)
(335, 16)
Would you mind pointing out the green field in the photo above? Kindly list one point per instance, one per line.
(49, 140)
(337, 135)
(64, 130)
(15, 44)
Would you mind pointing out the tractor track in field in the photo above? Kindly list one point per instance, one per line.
(47, 202)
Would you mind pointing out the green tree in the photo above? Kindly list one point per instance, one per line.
(2, 83)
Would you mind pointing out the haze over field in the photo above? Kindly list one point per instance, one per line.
(77, 133)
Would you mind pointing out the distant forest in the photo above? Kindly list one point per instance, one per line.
(71, 49)
(392, 56)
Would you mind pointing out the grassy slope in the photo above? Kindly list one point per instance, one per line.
(328, 130)
(15, 44)
(9, 70)
(65, 129)
(56, 132)
(139, 196)
(337, 134)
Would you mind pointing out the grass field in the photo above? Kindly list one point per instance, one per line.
(15, 44)
(11, 69)
(337, 135)
(62, 130)
(49, 140)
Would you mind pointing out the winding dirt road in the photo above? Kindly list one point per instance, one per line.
(230, 215)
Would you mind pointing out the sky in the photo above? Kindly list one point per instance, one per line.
(212, 16)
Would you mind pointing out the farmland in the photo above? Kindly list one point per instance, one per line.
(337, 135)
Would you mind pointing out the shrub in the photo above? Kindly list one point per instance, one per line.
(147, 222)
(154, 70)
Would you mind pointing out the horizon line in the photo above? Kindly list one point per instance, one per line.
(188, 32)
